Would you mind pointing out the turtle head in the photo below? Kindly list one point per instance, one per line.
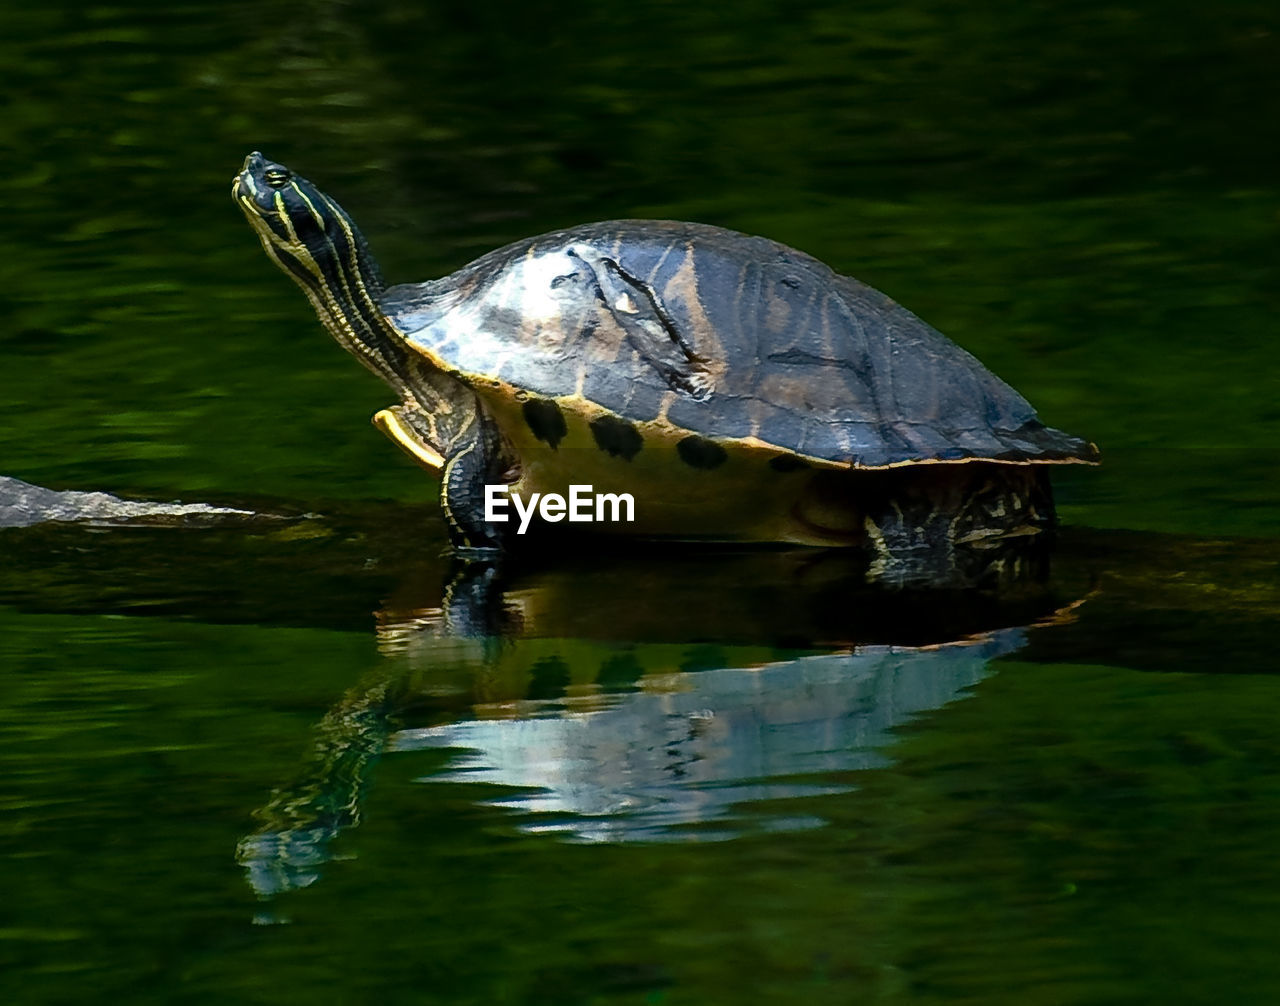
(303, 230)
(313, 240)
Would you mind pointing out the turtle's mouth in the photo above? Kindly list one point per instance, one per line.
(243, 191)
(243, 185)
(249, 195)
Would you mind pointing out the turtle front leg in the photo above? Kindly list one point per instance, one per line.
(473, 461)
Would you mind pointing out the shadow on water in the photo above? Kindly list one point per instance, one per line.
(642, 695)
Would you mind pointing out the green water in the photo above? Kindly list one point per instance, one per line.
(251, 764)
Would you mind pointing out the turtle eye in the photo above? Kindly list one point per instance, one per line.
(276, 177)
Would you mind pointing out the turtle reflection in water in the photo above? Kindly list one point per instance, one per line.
(737, 388)
(635, 734)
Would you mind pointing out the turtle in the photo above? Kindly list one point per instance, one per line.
(729, 387)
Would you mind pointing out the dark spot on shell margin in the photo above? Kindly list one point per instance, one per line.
(617, 437)
(699, 452)
(786, 463)
(546, 420)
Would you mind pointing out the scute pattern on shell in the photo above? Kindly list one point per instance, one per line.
(799, 357)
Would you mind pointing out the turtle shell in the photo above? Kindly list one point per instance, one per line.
(731, 337)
